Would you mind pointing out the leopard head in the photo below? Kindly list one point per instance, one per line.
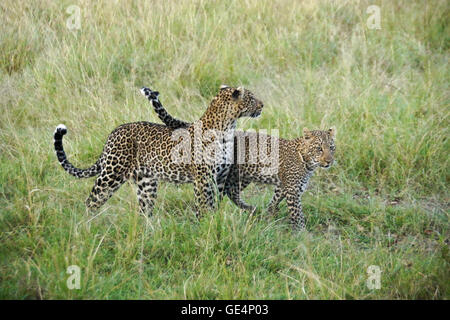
(239, 102)
(319, 147)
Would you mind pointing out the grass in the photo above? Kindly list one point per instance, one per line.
(314, 64)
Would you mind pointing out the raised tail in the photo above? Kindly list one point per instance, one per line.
(165, 117)
(60, 131)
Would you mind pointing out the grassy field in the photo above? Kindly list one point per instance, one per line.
(315, 64)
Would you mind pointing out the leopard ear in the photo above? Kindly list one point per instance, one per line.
(238, 93)
(306, 133)
(332, 132)
(224, 86)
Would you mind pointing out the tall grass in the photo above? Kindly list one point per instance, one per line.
(314, 64)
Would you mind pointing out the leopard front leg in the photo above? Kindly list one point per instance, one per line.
(278, 196)
(204, 190)
(293, 199)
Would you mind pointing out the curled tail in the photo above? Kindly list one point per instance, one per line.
(60, 131)
(165, 117)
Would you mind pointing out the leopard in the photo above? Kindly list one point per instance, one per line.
(143, 152)
(296, 161)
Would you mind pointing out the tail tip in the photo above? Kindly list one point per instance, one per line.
(147, 92)
(61, 129)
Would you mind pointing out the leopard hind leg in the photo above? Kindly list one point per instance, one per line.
(233, 191)
(146, 191)
(105, 185)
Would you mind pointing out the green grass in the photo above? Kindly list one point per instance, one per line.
(314, 64)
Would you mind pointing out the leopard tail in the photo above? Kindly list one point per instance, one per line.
(162, 113)
(60, 131)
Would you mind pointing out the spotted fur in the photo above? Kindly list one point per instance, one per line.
(297, 160)
(142, 152)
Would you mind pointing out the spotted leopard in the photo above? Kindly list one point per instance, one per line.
(143, 152)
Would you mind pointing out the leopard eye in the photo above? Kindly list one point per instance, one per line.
(332, 148)
(319, 149)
